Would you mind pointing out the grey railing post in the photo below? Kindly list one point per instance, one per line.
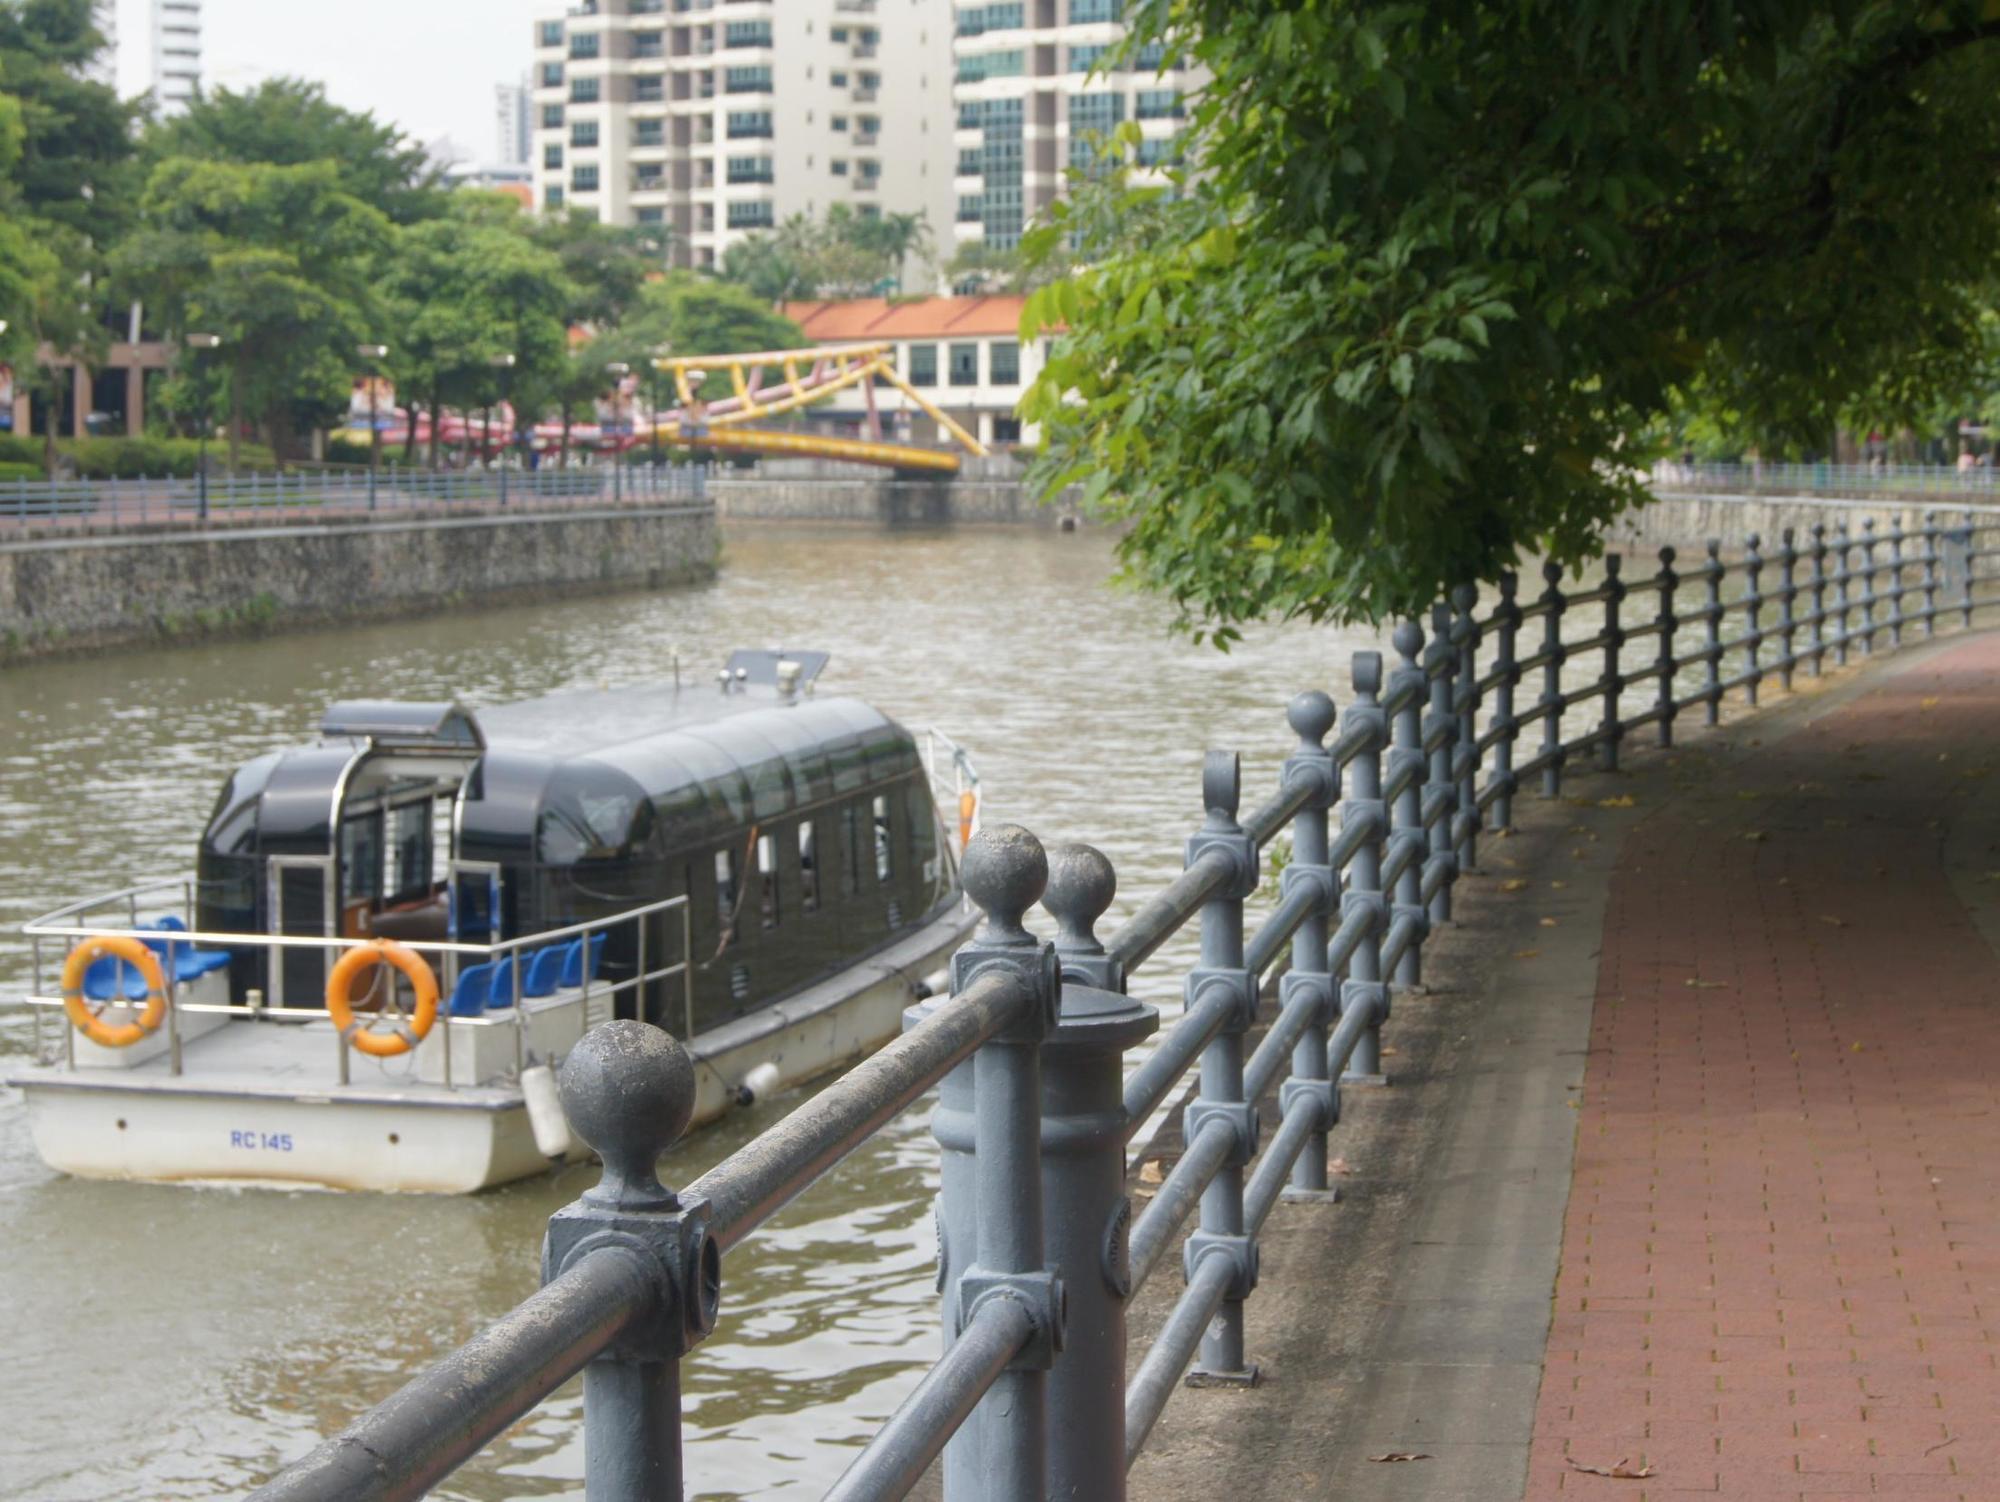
(1086, 1216)
(1868, 587)
(1614, 682)
(1896, 582)
(1406, 816)
(629, 1091)
(1666, 622)
(1930, 572)
(1843, 574)
(1002, 1453)
(1712, 619)
(1222, 1230)
(1441, 735)
(1502, 724)
(1753, 608)
(1467, 697)
(1788, 593)
(1971, 543)
(1362, 985)
(1552, 676)
(1308, 982)
(1818, 598)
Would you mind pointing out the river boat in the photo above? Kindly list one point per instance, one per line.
(393, 934)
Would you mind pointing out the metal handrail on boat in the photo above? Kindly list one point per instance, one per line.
(58, 925)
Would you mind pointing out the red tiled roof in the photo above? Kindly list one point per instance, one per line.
(865, 318)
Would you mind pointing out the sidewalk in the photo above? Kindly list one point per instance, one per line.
(1780, 1272)
(1712, 1051)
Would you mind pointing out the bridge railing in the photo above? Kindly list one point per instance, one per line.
(1384, 805)
(313, 495)
(1978, 483)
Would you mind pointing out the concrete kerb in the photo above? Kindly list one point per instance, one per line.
(1412, 1317)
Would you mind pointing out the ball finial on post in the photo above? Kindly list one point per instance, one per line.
(1005, 871)
(628, 1090)
(1312, 715)
(1408, 640)
(1464, 596)
(1081, 886)
(1367, 675)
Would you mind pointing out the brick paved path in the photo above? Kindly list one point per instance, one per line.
(1781, 1262)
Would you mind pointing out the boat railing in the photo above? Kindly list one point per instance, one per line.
(598, 997)
(961, 777)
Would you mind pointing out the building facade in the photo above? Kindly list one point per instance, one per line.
(963, 353)
(1030, 105)
(513, 123)
(176, 54)
(718, 118)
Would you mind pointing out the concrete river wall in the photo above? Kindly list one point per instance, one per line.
(69, 590)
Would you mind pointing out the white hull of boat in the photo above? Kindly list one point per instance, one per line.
(247, 1125)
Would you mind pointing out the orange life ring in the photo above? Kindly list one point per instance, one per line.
(91, 1024)
(968, 815)
(340, 1006)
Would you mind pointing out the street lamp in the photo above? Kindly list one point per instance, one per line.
(373, 354)
(660, 365)
(694, 424)
(201, 344)
(505, 365)
(618, 370)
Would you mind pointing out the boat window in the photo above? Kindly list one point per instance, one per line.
(808, 868)
(885, 865)
(767, 874)
(361, 857)
(725, 894)
(850, 835)
(409, 851)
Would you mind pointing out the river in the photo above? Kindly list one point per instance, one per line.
(181, 1343)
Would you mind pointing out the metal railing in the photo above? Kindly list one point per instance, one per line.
(316, 495)
(1880, 480)
(1040, 1254)
(596, 996)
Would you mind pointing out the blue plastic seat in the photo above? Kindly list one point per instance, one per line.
(500, 991)
(468, 997)
(572, 970)
(544, 972)
(112, 979)
(189, 963)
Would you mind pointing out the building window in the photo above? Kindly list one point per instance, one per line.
(649, 132)
(583, 90)
(649, 44)
(1094, 10)
(837, 79)
(549, 34)
(1153, 58)
(923, 364)
(746, 80)
(651, 216)
(649, 90)
(1157, 104)
(552, 117)
(753, 214)
(838, 122)
(839, 166)
(746, 123)
(994, 65)
(1003, 362)
(1092, 119)
(552, 195)
(965, 365)
(971, 209)
(552, 155)
(746, 34)
(583, 178)
(583, 133)
(1006, 430)
(977, 20)
(1162, 152)
(584, 45)
(1082, 59)
(750, 169)
(552, 75)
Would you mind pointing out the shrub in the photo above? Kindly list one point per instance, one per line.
(11, 470)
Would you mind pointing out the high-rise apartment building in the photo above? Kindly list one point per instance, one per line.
(176, 54)
(718, 118)
(1029, 106)
(514, 123)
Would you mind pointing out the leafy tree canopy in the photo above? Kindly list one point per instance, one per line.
(1446, 263)
(72, 135)
(686, 313)
(846, 254)
(606, 264)
(288, 122)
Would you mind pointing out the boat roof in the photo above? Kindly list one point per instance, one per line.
(598, 721)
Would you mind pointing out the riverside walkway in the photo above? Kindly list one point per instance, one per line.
(1753, 985)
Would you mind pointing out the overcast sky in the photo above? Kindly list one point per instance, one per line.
(426, 65)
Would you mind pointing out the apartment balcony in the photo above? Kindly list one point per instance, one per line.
(866, 95)
(864, 138)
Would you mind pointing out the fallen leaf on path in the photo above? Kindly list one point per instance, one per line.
(1930, 702)
(1149, 1172)
(1757, 836)
(1623, 1471)
(1526, 954)
(1623, 800)
(1696, 983)
(1828, 918)
(1514, 884)
(1395, 1455)
(1548, 923)
(1338, 1165)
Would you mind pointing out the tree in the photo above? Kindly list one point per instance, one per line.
(460, 296)
(73, 167)
(289, 122)
(1444, 265)
(607, 264)
(278, 260)
(846, 254)
(697, 315)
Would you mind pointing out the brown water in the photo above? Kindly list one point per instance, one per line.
(171, 1342)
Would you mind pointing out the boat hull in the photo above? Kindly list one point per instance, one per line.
(422, 1137)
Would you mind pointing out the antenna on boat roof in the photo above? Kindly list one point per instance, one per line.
(788, 679)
